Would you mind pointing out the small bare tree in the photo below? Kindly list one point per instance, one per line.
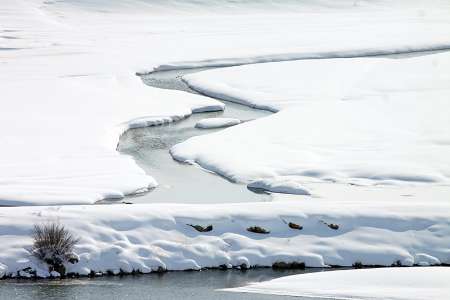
(54, 244)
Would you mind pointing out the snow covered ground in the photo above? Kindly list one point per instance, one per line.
(359, 120)
(368, 138)
(68, 89)
(398, 284)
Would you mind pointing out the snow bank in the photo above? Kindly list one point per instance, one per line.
(361, 121)
(217, 123)
(390, 283)
(66, 151)
(149, 237)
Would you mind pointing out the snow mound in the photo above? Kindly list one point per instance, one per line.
(217, 123)
(390, 283)
(287, 185)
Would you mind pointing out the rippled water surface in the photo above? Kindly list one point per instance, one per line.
(173, 285)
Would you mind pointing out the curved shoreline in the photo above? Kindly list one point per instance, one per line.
(282, 57)
(179, 70)
(139, 143)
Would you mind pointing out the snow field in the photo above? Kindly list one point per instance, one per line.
(395, 284)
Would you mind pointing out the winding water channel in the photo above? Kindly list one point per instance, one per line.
(178, 182)
(184, 183)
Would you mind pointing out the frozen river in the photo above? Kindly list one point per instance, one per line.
(179, 182)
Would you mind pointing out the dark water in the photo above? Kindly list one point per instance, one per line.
(179, 182)
(173, 285)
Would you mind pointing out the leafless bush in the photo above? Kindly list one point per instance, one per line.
(54, 244)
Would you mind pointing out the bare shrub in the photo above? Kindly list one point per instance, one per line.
(54, 244)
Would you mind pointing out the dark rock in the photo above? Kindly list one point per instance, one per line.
(285, 265)
(200, 228)
(333, 226)
(160, 270)
(295, 226)
(397, 263)
(257, 229)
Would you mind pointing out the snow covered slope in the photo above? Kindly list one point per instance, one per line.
(68, 89)
(394, 284)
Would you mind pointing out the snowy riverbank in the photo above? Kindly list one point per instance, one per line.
(151, 237)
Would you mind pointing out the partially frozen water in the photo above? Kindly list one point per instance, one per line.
(179, 182)
(173, 285)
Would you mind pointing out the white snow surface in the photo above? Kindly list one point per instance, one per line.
(146, 237)
(217, 123)
(390, 283)
(68, 89)
(353, 120)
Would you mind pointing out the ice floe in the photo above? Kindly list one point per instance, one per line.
(217, 123)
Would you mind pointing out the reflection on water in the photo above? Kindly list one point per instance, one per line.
(173, 285)
(183, 183)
